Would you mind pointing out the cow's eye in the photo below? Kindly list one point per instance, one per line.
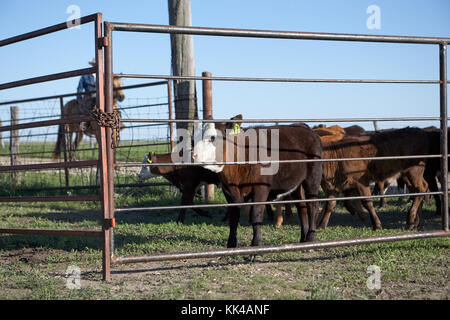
(212, 139)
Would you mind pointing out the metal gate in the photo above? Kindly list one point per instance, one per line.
(110, 27)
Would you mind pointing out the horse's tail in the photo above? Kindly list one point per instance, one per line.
(59, 142)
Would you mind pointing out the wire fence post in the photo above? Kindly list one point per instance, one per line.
(64, 139)
(16, 176)
(444, 132)
(207, 112)
(2, 142)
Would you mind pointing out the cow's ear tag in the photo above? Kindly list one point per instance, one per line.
(236, 129)
(149, 159)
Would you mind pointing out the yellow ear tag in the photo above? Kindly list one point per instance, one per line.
(236, 129)
(149, 160)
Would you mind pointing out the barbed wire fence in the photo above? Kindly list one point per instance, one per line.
(36, 145)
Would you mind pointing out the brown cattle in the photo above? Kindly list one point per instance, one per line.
(340, 176)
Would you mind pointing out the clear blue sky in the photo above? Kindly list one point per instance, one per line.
(150, 54)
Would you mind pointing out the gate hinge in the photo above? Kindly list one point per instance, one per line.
(103, 42)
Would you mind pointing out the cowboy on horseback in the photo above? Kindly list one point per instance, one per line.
(87, 83)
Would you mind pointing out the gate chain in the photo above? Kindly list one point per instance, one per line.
(108, 119)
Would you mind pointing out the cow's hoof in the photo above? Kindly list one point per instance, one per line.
(232, 243)
(311, 236)
(377, 227)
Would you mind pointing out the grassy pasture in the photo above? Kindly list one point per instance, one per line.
(34, 267)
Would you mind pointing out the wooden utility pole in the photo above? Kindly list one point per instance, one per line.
(183, 64)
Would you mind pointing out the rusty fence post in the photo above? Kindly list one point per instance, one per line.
(207, 111)
(16, 176)
(444, 132)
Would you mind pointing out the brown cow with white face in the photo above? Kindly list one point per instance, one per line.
(262, 181)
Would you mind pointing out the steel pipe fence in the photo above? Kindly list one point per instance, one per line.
(110, 27)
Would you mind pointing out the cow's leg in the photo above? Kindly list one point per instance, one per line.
(382, 186)
(187, 198)
(416, 184)
(288, 212)
(233, 218)
(227, 213)
(279, 219)
(302, 210)
(364, 190)
(415, 213)
(432, 185)
(247, 210)
(311, 187)
(326, 213)
(257, 213)
(354, 206)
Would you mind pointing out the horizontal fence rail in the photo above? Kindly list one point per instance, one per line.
(277, 249)
(244, 204)
(50, 77)
(279, 79)
(47, 30)
(53, 232)
(49, 199)
(273, 161)
(51, 165)
(285, 120)
(46, 123)
(228, 32)
(66, 95)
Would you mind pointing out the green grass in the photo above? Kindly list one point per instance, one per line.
(33, 267)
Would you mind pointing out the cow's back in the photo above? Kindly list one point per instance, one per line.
(296, 142)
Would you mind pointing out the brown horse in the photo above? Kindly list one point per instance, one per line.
(75, 108)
